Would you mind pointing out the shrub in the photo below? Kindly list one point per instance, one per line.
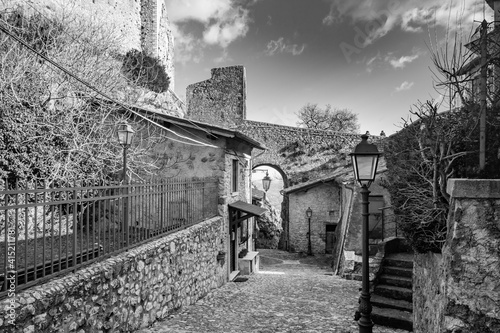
(145, 71)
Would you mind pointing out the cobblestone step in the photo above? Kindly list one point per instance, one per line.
(393, 318)
(394, 292)
(400, 261)
(398, 304)
(398, 281)
(398, 271)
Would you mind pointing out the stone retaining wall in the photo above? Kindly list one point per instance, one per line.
(126, 292)
(460, 290)
(429, 290)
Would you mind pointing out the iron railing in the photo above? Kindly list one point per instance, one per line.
(46, 231)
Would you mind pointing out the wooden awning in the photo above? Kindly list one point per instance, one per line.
(243, 207)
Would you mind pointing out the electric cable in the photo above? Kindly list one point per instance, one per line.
(88, 85)
(79, 42)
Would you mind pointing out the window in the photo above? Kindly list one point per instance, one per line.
(234, 175)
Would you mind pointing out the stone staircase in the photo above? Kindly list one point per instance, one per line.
(392, 294)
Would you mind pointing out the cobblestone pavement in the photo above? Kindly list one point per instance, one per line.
(291, 293)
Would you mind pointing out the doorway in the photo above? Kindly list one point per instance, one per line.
(331, 239)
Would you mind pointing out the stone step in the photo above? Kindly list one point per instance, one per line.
(391, 303)
(394, 292)
(394, 280)
(393, 318)
(398, 262)
(398, 271)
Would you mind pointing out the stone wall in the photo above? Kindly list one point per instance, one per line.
(128, 291)
(166, 158)
(469, 269)
(429, 292)
(324, 200)
(220, 100)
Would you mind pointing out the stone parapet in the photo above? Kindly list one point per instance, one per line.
(474, 188)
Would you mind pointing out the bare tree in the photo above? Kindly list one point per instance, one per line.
(430, 149)
(54, 127)
(457, 63)
(340, 120)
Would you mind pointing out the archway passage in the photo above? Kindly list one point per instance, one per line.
(273, 228)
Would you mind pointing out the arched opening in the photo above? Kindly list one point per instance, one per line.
(273, 228)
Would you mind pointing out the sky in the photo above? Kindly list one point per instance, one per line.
(370, 56)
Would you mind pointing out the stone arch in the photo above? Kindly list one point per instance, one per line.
(277, 168)
(283, 243)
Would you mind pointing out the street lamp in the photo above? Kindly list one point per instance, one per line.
(266, 183)
(125, 134)
(309, 214)
(364, 161)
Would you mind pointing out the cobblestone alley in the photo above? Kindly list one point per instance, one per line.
(291, 293)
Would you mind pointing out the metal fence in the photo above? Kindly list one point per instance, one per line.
(45, 232)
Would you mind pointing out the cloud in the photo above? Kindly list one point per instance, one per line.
(393, 61)
(373, 62)
(404, 86)
(187, 47)
(279, 46)
(197, 10)
(222, 22)
(402, 61)
(377, 18)
(233, 25)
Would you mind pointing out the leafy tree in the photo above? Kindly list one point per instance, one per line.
(339, 120)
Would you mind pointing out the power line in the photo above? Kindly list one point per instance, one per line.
(79, 42)
(88, 85)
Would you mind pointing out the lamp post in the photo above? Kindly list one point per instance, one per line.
(364, 161)
(125, 134)
(309, 214)
(266, 183)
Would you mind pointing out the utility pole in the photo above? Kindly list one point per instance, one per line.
(482, 112)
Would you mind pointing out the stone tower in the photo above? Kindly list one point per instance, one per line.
(220, 100)
(142, 23)
(156, 36)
